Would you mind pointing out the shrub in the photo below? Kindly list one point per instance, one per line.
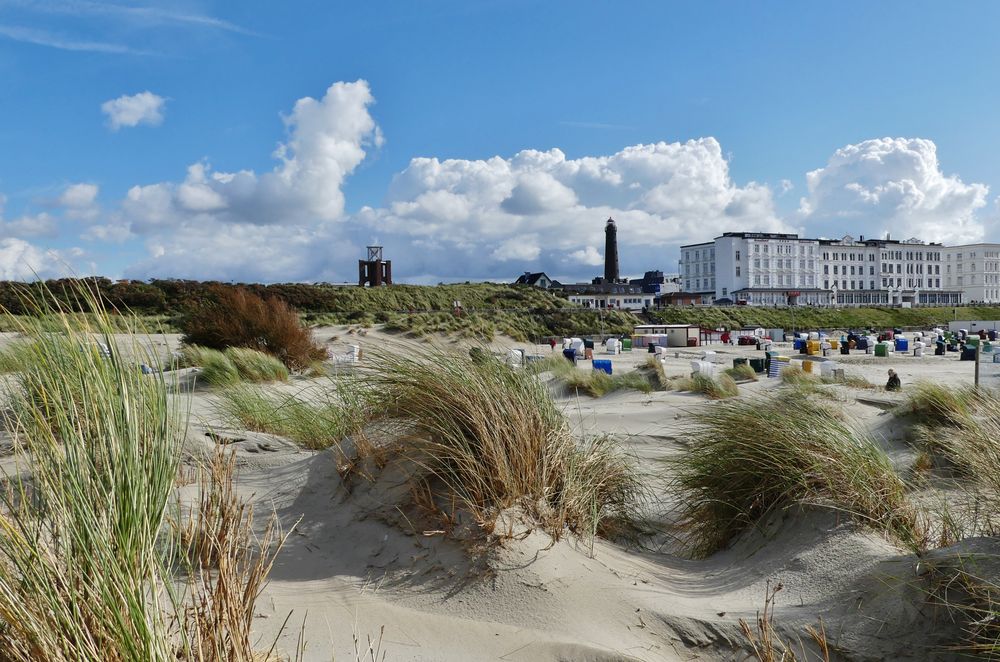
(753, 457)
(237, 318)
(491, 438)
(254, 366)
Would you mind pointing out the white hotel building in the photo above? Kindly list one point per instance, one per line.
(760, 268)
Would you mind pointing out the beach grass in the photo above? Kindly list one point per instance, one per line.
(254, 366)
(88, 566)
(594, 383)
(716, 388)
(752, 457)
(232, 366)
(742, 372)
(316, 418)
(80, 571)
(490, 437)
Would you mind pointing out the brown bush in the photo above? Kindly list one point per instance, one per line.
(234, 317)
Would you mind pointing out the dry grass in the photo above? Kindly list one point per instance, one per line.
(753, 457)
(228, 570)
(490, 438)
(218, 516)
(766, 645)
(859, 382)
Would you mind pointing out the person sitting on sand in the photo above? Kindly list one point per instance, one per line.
(893, 384)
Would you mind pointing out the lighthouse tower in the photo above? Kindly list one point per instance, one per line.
(611, 252)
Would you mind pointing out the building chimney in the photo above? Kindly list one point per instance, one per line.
(610, 252)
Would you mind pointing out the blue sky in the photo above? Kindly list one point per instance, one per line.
(479, 140)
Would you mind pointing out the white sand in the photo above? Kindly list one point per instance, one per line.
(355, 564)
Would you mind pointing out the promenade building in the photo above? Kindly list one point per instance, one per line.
(765, 268)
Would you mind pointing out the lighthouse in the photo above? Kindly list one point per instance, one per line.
(610, 252)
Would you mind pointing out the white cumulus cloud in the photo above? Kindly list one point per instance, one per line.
(589, 256)
(327, 139)
(79, 201)
(893, 185)
(20, 260)
(480, 218)
(127, 111)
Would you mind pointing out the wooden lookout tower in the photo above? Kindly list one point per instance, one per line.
(374, 271)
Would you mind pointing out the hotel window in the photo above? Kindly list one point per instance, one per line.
(756, 248)
(826, 269)
(756, 280)
(737, 272)
(843, 284)
(737, 256)
(835, 270)
(826, 284)
(756, 263)
(871, 285)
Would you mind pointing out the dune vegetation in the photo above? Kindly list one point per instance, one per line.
(234, 365)
(87, 559)
(716, 388)
(233, 317)
(317, 417)
(490, 438)
(594, 383)
(742, 468)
